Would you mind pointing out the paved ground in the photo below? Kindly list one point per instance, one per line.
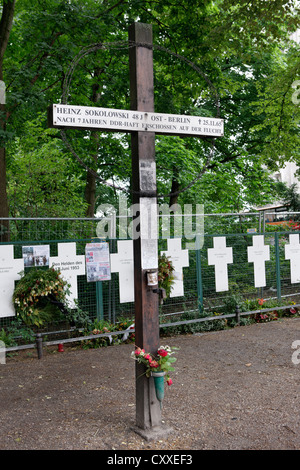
(234, 389)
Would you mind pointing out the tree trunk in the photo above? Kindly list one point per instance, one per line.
(5, 28)
(174, 188)
(90, 194)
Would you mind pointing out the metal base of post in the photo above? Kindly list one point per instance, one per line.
(153, 433)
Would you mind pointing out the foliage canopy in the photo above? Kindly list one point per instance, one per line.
(240, 51)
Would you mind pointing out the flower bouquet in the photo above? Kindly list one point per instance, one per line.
(157, 366)
(161, 362)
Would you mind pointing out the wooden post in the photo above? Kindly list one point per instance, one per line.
(145, 251)
(148, 412)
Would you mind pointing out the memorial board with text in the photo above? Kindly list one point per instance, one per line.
(109, 119)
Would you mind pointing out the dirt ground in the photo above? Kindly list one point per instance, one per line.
(233, 389)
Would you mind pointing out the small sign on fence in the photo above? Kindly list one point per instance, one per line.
(97, 262)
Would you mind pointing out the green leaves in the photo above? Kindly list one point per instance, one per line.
(31, 293)
(239, 51)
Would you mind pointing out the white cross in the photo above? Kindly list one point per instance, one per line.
(180, 259)
(220, 256)
(122, 263)
(292, 252)
(258, 254)
(9, 273)
(70, 266)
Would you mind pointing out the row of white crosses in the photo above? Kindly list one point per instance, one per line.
(221, 255)
(122, 263)
(72, 265)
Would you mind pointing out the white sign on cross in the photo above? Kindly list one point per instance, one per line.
(180, 259)
(220, 256)
(9, 273)
(123, 120)
(70, 266)
(258, 254)
(122, 263)
(292, 252)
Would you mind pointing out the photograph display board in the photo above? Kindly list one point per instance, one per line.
(97, 262)
(37, 255)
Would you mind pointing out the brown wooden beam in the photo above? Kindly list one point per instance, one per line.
(148, 413)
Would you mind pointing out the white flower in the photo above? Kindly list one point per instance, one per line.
(166, 348)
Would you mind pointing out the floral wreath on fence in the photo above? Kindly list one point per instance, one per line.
(38, 294)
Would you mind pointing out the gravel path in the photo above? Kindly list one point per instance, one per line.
(233, 389)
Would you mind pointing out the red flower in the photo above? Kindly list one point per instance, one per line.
(169, 381)
(162, 352)
(138, 351)
(154, 364)
(260, 301)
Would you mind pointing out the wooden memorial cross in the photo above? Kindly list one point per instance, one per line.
(292, 253)
(258, 254)
(143, 123)
(220, 256)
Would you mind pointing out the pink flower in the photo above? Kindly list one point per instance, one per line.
(147, 356)
(138, 351)
(169, 381)
(154, 364)
(162, 352)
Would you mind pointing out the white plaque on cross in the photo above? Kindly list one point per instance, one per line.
(292, 252)
(122, 263)
(108, 119)
(180, 260)
(70, 266)
(258, 254)
(220, 256)
(10, 269)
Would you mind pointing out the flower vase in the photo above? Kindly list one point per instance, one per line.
(159, 383)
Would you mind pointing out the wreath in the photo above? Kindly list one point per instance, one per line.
(39, 296)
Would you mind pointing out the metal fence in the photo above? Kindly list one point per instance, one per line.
(101, 299)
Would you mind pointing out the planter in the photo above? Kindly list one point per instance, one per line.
(159, 383)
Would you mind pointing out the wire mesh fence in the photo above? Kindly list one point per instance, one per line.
(101, 300)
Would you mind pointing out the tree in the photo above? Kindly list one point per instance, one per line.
(8, 8)
(219, 49)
